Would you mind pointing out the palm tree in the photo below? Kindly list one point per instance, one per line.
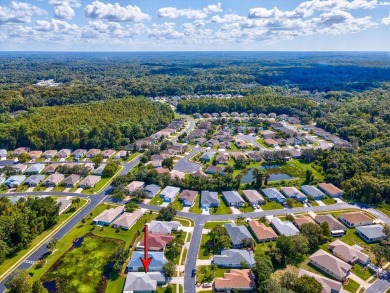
(267, 175)
(258, 176)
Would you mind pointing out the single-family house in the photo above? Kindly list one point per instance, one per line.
(301, 220)
(285, 228)
(187, 197)
(295, 153)
(71, 180)
(241, 144)
(64, 204)
(330, 264)
(224, 145)
(92, 153)
(222, 159)
(120, 155)
(34, 154)
(232, 198)
(209, 199)
(141, 282)
(63, 154)
(34, 180)
(274, 194)
(53, 180)
(175, 174)
(20, 151)
(108, 216)
(20, 168)
(271, 142)
(79, 153)
(312, 191)
(133, 186)
(108, 154)
(156, 242)
(267, 134)
(161, 227)
(161, 170)
(262, 232)
(3, 153)
(156, 264)
(15, 181)
(169, 193)
(336, 228)
(237, 234)
(152, 190)
(349, 254)
(253, 196)
(234, 258)
(328, 285)
(254, 156)
(89, 181)
(371, 233)
(35, 169)
(211, 143)
(240, 280)
(207, 156)
(330, 189)
(127, 220)
(355, 219)
(49, 154)
(293, 192)
(199, 173)
(51, 168)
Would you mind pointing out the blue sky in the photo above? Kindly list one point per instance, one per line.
(195, 25)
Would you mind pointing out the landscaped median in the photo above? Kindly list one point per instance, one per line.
(13, 262)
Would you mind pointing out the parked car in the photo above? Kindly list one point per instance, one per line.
(193, 273)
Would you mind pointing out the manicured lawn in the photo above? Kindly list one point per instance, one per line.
(297, 204)
(218, 273)
(22, 188)
(40, 188)
(73, 275)
(59, 188)
(271, 205)
(296, 168)
(98, 186)
(384, 208)
(233, 147)
(328, 201)
(352, 286)
(132, 156)
(211, 225)
(313, 203)
(361, 272)
(183, 260)
(247, 209)
(351, 238)
(9, 262)
(116, 285)
(221, 210)
(176, 204)
(196, 207)
(156, 200)
(202, 252)
(261, 248)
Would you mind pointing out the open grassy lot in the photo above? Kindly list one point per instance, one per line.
(65, 216)
(271, 205)
(73, 275)
(211, 225)
(296, 168)
(221, 210)
(352, 286)
(196, 207)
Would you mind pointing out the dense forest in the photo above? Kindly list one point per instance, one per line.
(89, 77)
(106, 124)
(20, 223)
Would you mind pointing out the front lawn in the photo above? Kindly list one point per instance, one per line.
(72, 275)
(351, 238)
(363, 273)
(196, 207)
(221, 210)
(328, 200)
(176, 204)
(203, 252)
(247, 209)
(271, 205)
(156, 200)
(201, 278)
(102, 182)
(211, 225)
(352, 286)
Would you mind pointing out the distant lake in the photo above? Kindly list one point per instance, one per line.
(276, 174)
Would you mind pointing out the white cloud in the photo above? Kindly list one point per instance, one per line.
(227, 18)
(386, 20)
(55, 25)
(115, 12)
(173, 12)
(164, 31)
(63, 9)
(19, 12)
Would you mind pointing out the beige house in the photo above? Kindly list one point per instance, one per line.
(63, 154)
(355, 219)
(241, 280)
(328, 285)
(49, 154)
(92, 153)
(34, 154)
(89, 181)
(134, 185)
(349, 254)
(331, 265)
(53, 180)
(330, 189)
(127, 220)
(262, 232)
(108, 153)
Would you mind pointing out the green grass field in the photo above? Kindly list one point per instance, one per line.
(211, 225)
(352, 286)
(98, 186)
(176, 204)
(73, 275)
(271, 205)
(363, 273)
(328, 201)
(296, 168)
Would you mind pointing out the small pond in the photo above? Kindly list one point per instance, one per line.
(276, 174)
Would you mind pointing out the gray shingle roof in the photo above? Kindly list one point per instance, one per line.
(312, 190)
(140, 281)
(237, 233)
(208, 198)
(371, 231)
(234, 257)
(152, 189)
(284, 227)
(232, 196)
(273, 194)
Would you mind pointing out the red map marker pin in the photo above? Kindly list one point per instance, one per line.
(145, 260)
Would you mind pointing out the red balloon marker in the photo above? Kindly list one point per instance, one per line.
(145, 260)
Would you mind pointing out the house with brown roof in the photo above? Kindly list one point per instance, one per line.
(50, 169)
(108, 154)
(271, 142)
(177, 174)
(330, 189)
(133, 186)
(120, 155)
(268, 134)
(301, 220)
(89, 181)
(253, 196)
(336, 228)
(34, 154)
(254, 156)
(53, 180)
(331, 265)
(222, 158)
(187, 197)
(92, 153)
(161, 170)
(328, 285)
(262, 232)
(127, 220)
(71, 180)
(19, 168)
(241, 144)
(20, 151)
(63, 154)
(156, 242)
(241, 280)
(349, 254)
(79, 153)
(49, 154)
(355, 219)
